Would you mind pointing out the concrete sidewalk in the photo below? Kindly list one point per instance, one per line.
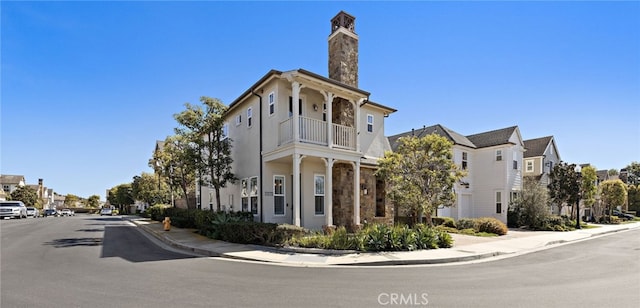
(466, 248)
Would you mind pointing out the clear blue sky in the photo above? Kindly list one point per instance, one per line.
(88, 87)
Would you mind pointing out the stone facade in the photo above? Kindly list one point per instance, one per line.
(343, 112)
(343, 50)
(342, 194)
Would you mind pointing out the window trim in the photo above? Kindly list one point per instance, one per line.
(370, 124)
(498, 202)
(282, 194)
(238, 119)
(249, 116)
(529, 165)
(319, 194)
(272, 103)
(225, 131)
(465, 161)
(254, 194)
(498, 155)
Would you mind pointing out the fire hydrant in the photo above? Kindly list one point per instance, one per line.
(167, 223)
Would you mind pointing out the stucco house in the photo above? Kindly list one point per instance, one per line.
(10, 183)
(305, 147)
(493, 161)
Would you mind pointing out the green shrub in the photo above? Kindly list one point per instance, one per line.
(444, 239)
(247, 232)
(426, 237)
(492, 225)
(467, 223)
(443, 221)
(340, 239)
(156, 212)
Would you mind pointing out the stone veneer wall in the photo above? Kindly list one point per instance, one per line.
(343, 112)
(343, 59)
(343, 197)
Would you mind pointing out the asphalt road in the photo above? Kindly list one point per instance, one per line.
(91, 261)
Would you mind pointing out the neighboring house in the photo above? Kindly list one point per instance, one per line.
(540, 156)
(58, 202)
(10, 183)
(305, 147)
(493, 161)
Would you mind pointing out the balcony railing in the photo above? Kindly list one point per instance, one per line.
(315, 131)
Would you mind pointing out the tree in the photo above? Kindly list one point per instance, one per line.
(613, 172)
(531, 207)
(631, 174)
(633, 198)
(121, 196)
(176, 163)
(27, 195)
(205, 128)
(150, 189)
(564, 185)
(93, 201)
(588, 188)
(71, 200)
(421, 174)
(613, 194)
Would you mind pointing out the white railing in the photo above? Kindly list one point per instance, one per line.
(344, 137)
(315, 131)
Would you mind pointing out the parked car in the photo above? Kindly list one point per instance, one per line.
(624, 216)
(106, 212)
(13, 209)
(66, 212)
(33, 212)
(50, 212)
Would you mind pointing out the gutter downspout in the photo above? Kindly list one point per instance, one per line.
(261, 158)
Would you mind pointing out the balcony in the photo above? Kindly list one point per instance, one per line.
(315, 131)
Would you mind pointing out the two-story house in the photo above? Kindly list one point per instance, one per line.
(493, 162)
(540, 156)
(305, 147)
(10, 183)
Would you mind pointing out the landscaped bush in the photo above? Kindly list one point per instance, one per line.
(446, 221)
(243, 232)
(156, 212)
(467, 223)
(492, 225)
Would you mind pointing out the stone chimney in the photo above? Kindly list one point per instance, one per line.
(40, 189)
(343, 50)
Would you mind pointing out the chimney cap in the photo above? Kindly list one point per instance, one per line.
(343, 20)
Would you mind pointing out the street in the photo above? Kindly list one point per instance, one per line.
(92, 261)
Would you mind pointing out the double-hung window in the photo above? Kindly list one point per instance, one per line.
(498, 202)
(498, 155)
(253, 194)
(370, 123)
(244, 195)
(272, 103)
(238, 119)
(278, 195)
(249, 114)
(319, 194)
(464, 160)
(529, 165)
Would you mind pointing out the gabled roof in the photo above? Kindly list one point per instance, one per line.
(276, 73)
(11, 179)
(493, 138)
(602, 175)
(536, 147)
(437, 129)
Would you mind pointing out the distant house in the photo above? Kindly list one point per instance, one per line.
(10, 183)
(305, 147)
(493, 161)
(540, 156)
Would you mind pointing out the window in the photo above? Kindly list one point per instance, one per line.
(253, 195)
(324, 112)
(464, 161)
(319, 194)
(225, 131)
(249, 113)
(5, 188)
(498, 202)
(278, 195)
(244, 194)
(370, 123)
(515, 165)
(238, 119)
(272, 105)
(498, 155)
(529, 165)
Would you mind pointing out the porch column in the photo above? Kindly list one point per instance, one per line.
(328, 191)
(328, 100)
(296, 189)
(295, 97)
(356, 192)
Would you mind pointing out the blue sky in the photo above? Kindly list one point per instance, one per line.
(88, 87)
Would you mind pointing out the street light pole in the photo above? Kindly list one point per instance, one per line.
(579, 184)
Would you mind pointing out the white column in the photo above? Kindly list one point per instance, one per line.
(296, 189)
(356, 192)
(328, 191)
(295, 97)
(328, 99)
